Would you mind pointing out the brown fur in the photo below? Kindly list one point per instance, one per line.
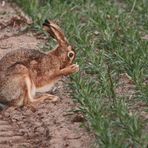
(25, 72)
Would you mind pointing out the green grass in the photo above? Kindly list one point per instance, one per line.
(107, 36)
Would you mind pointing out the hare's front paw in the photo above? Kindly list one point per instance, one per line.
(70, 69)
(74, 68)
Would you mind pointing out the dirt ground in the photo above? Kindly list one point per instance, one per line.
(51, 125)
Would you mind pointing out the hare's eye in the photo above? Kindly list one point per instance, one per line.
(70, 54)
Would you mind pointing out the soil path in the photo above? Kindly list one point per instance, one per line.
(50, 125)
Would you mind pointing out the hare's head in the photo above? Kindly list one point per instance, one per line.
(64, 50)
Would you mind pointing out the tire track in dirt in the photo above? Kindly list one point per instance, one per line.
(9, 137)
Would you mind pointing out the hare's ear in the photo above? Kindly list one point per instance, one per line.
(55, 31)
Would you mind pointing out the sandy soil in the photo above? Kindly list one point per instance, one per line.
(50, 125)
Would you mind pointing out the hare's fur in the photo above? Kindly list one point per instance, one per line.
(27, 71)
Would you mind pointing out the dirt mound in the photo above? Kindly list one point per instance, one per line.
(49, 125)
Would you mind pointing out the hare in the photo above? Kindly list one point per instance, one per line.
(25, 72)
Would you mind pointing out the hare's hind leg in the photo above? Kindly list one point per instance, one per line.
(21, 82)
(30, 98)
(18, 89)
(49, 97)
